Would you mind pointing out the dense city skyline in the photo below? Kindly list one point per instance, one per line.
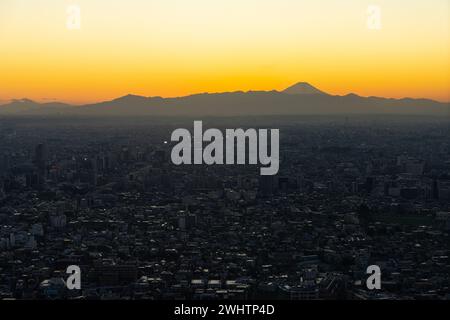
(224, 157)
(102, 194)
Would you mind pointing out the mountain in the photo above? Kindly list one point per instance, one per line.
(302, 88)
(299, 99)
(30, 107)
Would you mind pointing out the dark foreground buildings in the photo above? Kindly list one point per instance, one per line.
(104, 195)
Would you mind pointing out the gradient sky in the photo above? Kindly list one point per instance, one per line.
(179, 47)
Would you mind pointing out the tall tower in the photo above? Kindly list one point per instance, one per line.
(40, 156)
(40, 161)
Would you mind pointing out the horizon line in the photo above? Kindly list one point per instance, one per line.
(76, 104)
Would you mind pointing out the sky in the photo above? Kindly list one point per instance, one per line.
(389, 48)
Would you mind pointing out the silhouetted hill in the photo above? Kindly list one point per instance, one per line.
(30, 107)
(300, 99)
(302, 88)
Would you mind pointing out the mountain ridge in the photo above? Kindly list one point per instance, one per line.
(298, 99)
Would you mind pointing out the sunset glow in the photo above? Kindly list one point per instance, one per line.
(178, 47)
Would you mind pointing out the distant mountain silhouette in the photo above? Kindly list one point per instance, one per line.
(302, 88)
(27, 106)
(299, 99)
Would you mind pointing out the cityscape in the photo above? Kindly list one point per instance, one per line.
(102, 194)
(206, 159)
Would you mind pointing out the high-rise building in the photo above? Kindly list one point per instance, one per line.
(40, 162)
(40, 156)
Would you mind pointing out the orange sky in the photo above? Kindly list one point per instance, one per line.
(179, 47)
